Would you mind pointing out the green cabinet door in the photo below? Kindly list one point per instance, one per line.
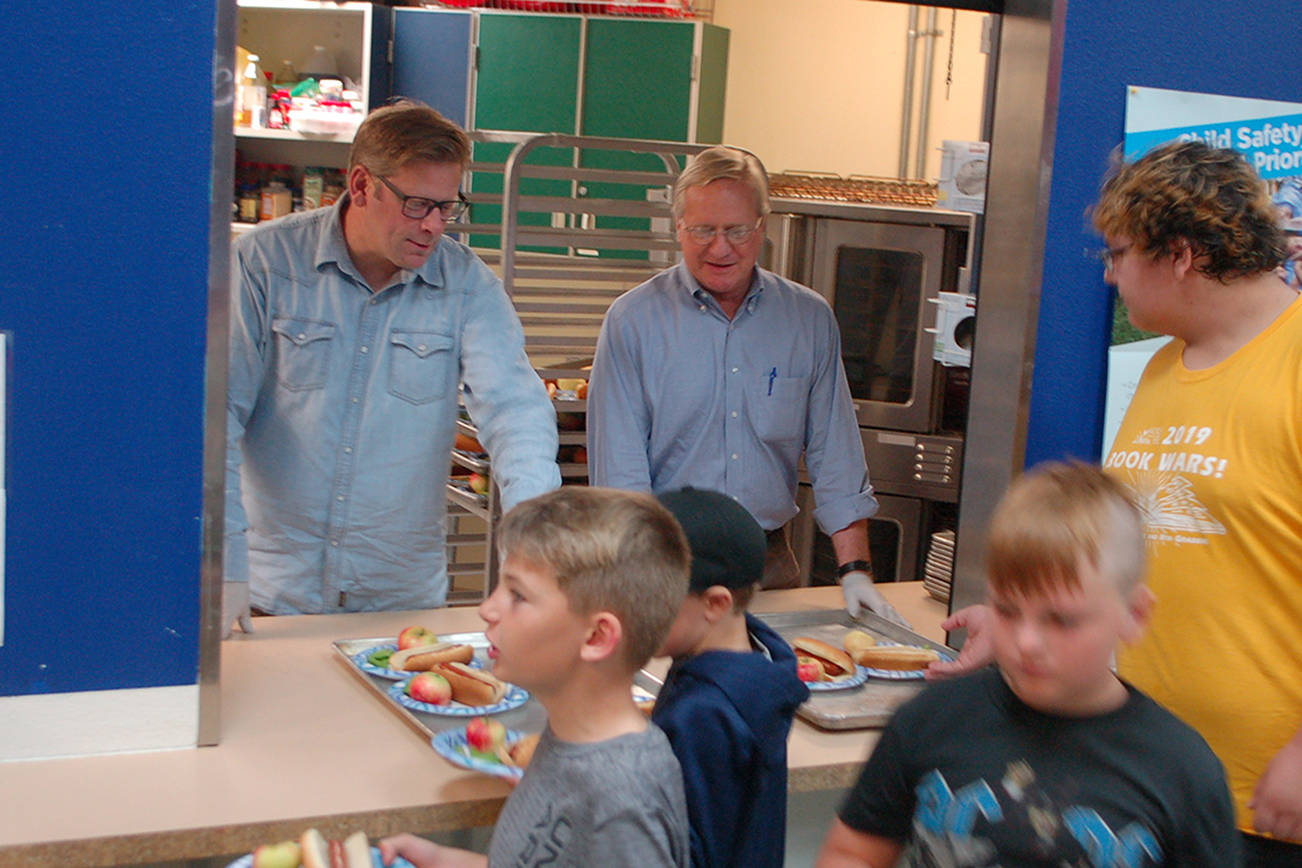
(527, 79)
(649, 80)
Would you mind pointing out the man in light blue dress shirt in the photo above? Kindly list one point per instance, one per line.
(351, 328)
(718, 374)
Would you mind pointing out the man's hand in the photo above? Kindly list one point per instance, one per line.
(860, 593)
(235, 607)
(978, 650)
(1277, 800)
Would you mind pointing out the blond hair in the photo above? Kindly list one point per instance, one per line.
(720, 163)
(1054, 518)
(614, 551)
(407, 131)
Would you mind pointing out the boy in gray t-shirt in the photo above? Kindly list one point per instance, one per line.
(591, 580)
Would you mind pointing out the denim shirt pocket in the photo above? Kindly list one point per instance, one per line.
(779, 408)
(418, 365)
(302, 352)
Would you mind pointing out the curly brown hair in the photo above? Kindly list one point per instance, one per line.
(1190, 192)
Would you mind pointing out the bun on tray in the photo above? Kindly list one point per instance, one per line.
(425, 657)
(900, 657)
(472, 686)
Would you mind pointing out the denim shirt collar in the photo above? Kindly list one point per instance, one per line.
(332, 248)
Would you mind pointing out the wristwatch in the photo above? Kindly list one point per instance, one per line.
(853, 567)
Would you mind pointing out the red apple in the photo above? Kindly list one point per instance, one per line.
(430, 687)
(808, 669)
(486, 736)
(478, 483)
(412, 637)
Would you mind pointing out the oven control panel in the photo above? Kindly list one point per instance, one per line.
(919, 465)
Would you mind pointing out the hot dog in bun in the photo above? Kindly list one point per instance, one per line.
(896, 657)
(472, 686)
(321, 852)
(835, 662)
(424, 657)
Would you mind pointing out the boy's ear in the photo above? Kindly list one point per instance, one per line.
(1183, 258)
(1139, 609)
(605, 633)
(718, 602)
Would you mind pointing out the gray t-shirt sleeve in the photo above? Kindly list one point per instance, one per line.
(616, 802)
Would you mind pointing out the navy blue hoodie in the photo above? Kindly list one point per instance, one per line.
(727, 715)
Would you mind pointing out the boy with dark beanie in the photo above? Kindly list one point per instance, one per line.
(729, 698)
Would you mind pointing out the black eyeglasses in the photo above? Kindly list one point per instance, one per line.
(418, 207)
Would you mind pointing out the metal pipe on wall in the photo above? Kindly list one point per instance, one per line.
(906, 121)
(924, 103)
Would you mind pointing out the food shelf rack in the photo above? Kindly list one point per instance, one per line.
(582, 220)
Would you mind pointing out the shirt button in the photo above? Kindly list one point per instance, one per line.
(348, 450)
(421, 348)
(339, 497)
(734, 456)
(354, 400)
(301, 336)
(734, 370)
(334, 542)
(366, 349)
(734, 414)
(701, 308)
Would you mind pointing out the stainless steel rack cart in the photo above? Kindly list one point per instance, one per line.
(583, 219)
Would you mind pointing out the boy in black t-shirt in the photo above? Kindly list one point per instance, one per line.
(1048, 758)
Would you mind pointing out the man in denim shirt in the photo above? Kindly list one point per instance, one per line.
(351, 327)
(718, 374)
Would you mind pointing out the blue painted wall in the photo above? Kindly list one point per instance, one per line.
(106, 129)
(1245, 49)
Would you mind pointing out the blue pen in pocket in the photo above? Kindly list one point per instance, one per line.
(772, 376)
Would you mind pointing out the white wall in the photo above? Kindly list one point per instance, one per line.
(817, 85)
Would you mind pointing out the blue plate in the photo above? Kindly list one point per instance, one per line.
(451, 745)
(903, 674)
(246, 861)
(360, 661)
(859, 677)
(515, 697)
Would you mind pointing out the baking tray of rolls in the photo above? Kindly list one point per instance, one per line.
(872, 694)
(518, 711)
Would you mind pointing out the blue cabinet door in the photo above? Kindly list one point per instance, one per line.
(431, 59)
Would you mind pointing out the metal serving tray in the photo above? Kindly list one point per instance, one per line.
(867, 706)
(872, 703)
(528, 718)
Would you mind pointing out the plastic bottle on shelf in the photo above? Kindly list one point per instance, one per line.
(286, 77)
(313, 187)
(251, 110)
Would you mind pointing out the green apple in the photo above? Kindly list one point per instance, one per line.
(478, 483)
(286, 854)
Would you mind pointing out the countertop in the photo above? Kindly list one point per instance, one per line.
(305, 743)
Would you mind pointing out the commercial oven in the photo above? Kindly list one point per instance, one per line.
(883, 269)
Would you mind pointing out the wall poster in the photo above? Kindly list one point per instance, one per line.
(1268, 133)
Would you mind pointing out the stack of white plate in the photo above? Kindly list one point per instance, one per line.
(939, 571)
